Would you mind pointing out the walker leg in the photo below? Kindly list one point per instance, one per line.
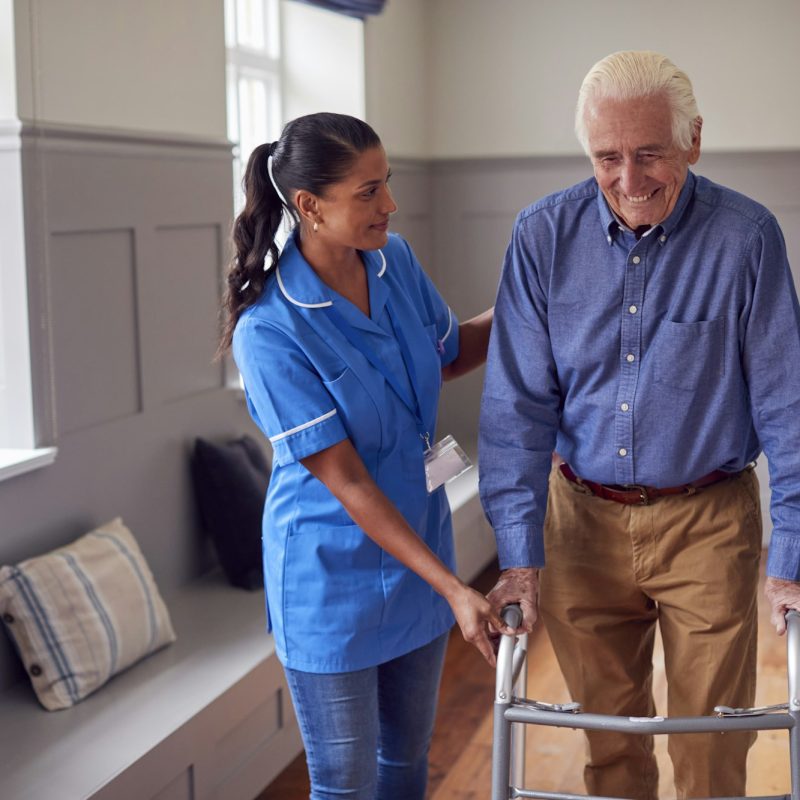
(501, 753)
(793, 674)
(518, 729)
(794, 755)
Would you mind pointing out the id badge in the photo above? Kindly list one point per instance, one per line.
(443, 462)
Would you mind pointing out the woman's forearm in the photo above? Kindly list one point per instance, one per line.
(341, 469)
(473, 342)
(372, 511)
(343, 472)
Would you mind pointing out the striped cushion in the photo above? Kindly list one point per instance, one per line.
(82, 613)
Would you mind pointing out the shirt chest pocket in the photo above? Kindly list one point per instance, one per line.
(687, 354)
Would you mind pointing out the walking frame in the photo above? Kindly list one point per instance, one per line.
(513, 711)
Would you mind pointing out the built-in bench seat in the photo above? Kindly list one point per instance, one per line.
(207, 717)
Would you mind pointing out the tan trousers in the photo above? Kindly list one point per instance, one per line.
(688, 562)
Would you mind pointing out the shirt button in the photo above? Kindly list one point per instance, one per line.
(8, 618)
(625, 407)
(35, 670)
(630, 357)
(609, 239)
(662, 239)
(636, 259)
(623, 452)
(633, 309)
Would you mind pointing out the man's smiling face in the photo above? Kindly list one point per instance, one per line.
(639, 168)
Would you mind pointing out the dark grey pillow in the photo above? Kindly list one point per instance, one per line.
(230, 483)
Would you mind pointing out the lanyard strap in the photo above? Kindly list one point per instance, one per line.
(358, 341)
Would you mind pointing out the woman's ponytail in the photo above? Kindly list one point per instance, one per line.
(313, 153)
(255, 251)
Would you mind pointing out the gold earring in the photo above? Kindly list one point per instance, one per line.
(316, 226)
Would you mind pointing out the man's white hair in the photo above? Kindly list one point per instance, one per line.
(631, 74)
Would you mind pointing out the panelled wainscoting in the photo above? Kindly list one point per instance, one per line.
(125, 243)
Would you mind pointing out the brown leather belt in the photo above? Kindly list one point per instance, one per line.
(635, 495)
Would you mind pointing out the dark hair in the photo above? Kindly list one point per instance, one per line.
(313, 153)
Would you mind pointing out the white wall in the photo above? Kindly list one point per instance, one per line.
(503, 75)
(323, 61)
(141, 66)
(397, 53)
(8, 99)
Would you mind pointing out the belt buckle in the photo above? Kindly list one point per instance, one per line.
(644, 498)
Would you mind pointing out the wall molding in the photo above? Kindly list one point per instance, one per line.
(46, 135)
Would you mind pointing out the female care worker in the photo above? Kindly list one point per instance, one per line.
(343, 342)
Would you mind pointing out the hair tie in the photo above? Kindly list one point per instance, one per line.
(272, 181)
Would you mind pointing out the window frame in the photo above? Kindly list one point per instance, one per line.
(19, 452)
(245, 62)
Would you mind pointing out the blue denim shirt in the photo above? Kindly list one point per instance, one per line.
(652, 361)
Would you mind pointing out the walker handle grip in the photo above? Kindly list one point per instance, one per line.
(512, 616)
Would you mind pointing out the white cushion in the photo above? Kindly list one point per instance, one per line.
(82, 613)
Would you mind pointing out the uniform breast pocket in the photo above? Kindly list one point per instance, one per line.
(687, 354)
(358, 412)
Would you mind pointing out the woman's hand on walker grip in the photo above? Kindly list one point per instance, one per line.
(475, 616)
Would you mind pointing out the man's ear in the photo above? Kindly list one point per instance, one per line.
(694, 150)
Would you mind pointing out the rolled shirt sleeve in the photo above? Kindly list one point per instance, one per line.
(285, 394)
(519, 410)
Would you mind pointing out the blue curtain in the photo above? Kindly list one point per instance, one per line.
(353, 8)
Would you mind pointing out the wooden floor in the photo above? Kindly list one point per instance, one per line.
(460, 760)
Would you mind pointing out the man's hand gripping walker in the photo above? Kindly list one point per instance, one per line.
(512, 711)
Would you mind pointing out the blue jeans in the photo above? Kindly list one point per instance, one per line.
(367, 733)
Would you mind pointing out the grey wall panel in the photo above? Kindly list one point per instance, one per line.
(411, 186)
(79, 180)
(769, 178)
(182, 284)
(103, 211)
(94, 328)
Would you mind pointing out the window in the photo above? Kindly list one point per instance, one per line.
(18, 451)
(252, 34)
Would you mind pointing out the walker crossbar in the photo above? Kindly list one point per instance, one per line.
(564, 796)
(512, 711)
(649, 725)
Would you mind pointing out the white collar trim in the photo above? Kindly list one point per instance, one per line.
(327, 302)
(297, 302)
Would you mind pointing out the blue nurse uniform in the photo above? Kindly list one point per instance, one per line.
(337, 601)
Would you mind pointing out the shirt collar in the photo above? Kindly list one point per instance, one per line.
(611, 224)
(301, 286)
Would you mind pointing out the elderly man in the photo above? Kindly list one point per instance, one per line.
(647, 329)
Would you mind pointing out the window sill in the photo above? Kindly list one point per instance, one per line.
(18, 462)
